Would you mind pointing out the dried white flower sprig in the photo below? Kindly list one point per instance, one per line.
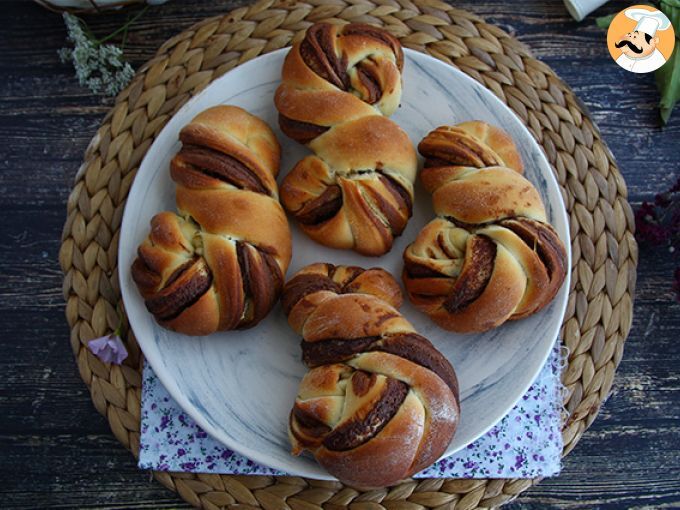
(99, 67)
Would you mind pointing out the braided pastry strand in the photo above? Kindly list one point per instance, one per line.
(490, 255)
(338, 86)
(380, 402)
(219, 263)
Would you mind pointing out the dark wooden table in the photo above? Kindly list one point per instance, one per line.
(56, 451)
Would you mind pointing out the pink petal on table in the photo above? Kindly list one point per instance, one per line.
(109, 349)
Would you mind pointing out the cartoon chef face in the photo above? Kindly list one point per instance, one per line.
(637, 44)
(638, 50)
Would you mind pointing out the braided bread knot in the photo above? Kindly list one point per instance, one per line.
(490, 255)
(338, 85)
(380, 402)
(217, 265)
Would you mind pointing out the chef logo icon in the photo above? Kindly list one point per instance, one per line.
(640, 39)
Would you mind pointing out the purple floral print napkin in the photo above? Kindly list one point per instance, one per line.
(526, 443)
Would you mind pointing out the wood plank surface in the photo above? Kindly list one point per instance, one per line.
(56, 451)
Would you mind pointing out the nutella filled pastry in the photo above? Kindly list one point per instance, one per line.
(490, 255)
(338, 86)
(379, 402)
(220, 262)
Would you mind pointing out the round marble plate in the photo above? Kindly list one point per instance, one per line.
(239, 386)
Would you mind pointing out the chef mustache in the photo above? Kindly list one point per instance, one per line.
(626, 42)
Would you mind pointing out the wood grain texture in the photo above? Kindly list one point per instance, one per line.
(58, 452)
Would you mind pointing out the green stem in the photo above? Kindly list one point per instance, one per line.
(119, 330)
(88, 32)
(124, 27)
(125, 33)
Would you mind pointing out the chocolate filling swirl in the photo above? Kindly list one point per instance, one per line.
(301, 132)
(357, 431)
(318, 51)
(410, 346)
(262, 281)
(415, 270)
(475, 275)
(372, 89)
(308, 424)
(224, 167)
(543, 239)
(394, 215)
(184, 287)
(379, 35)
(443, 148)
(302, 285)
(322, 208)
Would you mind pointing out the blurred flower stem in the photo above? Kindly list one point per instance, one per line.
(658, 225)
(125, 27)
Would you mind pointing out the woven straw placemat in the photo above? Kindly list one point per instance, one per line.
(599, 313)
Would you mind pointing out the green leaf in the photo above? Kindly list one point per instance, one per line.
(668, 83)
(671, 8)
(668, 75)
(605, 21)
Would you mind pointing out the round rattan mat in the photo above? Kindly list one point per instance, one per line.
(599, 313)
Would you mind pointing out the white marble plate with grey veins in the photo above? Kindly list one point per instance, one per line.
(239, 386)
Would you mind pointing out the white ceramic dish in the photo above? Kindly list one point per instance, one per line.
(239, 386)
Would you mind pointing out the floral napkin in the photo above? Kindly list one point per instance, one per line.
(526, 443)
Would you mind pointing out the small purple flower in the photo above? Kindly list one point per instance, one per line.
(109, 349)
(181, 452)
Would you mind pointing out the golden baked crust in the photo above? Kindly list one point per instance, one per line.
(490, 255)
(379, 402)
(338, 85)
(216, 265)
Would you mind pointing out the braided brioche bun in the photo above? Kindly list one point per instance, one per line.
(216, 265)
(338, 86)
(490, 255)
(379, 402)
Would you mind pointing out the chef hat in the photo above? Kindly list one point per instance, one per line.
(648, 22)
